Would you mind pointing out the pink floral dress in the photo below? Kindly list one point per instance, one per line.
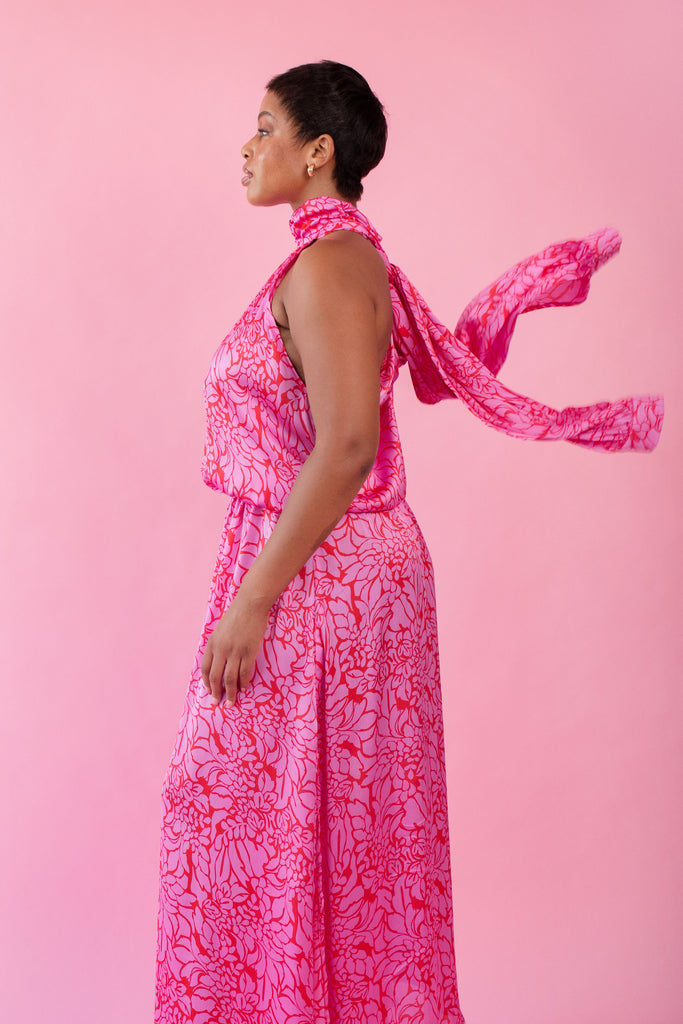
(305, 875)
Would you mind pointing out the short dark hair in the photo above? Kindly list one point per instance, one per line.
(327, 98)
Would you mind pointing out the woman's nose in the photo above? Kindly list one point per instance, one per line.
(245, 151)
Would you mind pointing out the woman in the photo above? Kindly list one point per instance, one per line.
(305, 869)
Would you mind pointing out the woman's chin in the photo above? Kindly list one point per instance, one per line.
(257, 198)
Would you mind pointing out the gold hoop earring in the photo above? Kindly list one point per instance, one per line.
(310, 170)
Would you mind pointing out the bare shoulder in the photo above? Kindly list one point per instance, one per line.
(337, 280)
(342, 260)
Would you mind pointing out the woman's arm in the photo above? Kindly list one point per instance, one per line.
(339, 311)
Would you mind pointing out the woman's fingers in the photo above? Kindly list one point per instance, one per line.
(216, 679)
(230, 675)
(206, 668)
(245, 672)
(236, 676)
(221, 676)
(228, 662)
(226, 680)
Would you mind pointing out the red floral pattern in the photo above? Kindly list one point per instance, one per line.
(305, 874)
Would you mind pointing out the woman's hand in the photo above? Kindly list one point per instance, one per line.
(231, 651)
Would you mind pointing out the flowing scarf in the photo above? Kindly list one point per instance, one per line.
(464, 363)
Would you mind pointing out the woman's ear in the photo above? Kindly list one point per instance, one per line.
(321, 151)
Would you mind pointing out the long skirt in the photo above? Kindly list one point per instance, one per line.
(305, 874)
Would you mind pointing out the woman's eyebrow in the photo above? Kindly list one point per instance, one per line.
(264, 113)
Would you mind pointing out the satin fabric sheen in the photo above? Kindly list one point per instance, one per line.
(305, 874)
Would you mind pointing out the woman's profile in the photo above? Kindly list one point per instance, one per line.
(305, 873)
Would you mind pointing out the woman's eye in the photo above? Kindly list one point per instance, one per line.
(261, 131)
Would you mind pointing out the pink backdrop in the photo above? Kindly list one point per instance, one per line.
(129, 252)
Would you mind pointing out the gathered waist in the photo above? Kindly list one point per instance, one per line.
(248, 526)
(383, 545)
(239, 501)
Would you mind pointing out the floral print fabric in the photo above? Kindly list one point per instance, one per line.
(305, 875)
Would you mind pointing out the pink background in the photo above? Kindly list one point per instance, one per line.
(130, 250)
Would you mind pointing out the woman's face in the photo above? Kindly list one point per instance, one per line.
(274, 160)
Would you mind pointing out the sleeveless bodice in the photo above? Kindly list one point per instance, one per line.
(259, 425)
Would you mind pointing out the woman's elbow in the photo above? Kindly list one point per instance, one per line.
(353, 454)
(365, 464)
(359, 454)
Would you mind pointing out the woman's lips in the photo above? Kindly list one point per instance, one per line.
(247, 176)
